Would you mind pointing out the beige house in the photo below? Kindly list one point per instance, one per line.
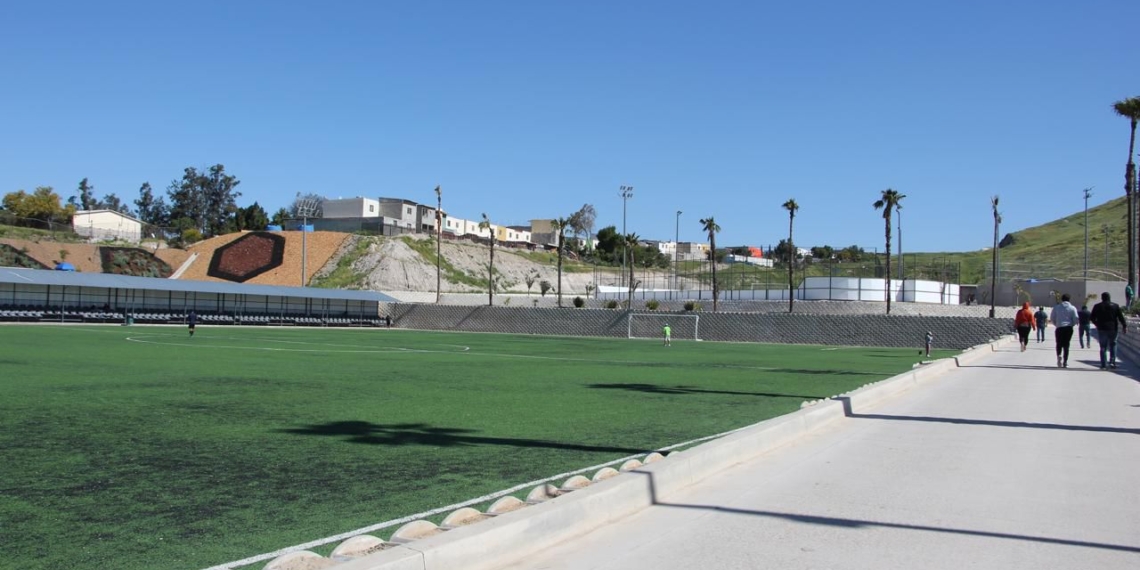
(106, 225)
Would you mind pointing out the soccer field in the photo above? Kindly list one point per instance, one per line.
(140, 447)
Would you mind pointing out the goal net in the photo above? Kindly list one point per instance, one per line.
(648, 325)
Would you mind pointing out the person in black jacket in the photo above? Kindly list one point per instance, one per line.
(1084, 320)
(1106, 315)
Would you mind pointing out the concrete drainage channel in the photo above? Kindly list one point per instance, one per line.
(512, 529)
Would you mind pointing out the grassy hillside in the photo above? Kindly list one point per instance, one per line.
(1055, 249)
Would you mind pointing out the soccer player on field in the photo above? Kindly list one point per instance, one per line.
(192, 319)
(668, 333)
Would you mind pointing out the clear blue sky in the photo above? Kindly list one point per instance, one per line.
(530, 109)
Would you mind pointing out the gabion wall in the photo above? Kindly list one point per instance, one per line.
(793, 328)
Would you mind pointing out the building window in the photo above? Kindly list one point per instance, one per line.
(371, 208)
(409, 210)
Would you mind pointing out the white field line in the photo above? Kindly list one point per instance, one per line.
(425, 514)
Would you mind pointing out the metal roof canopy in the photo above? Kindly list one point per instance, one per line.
(23, 276)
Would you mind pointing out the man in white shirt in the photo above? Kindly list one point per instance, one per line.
(1064, 317)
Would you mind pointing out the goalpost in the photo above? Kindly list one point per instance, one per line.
(649, 325)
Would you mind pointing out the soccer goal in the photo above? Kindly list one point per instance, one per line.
(647, 325)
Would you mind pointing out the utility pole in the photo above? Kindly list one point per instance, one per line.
(438, 241)
(1105, 228)
(902, 279)
(1088, 193)
(626, 194)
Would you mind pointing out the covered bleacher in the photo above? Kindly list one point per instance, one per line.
(38, 295)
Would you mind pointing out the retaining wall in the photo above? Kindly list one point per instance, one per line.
(785, 328)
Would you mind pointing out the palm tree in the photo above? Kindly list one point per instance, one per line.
(889, 200)
(486, 225)
(709, 225)
(630, 242)
(791, 206)
(1130, 109)
(994, 277)
(560, 226)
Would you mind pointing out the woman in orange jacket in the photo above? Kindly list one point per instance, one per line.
(1024, 323)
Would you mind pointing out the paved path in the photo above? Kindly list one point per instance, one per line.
(1008, 463)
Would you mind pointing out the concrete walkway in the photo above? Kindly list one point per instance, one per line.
(1007, 463)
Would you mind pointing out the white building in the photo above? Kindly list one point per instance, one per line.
(106, 225)
(518, 234)
(351, 208)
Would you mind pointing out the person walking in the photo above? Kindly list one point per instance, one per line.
(668, 334)
(1042, 321)
(929, 342)
(1023, 322)
(1106, 315)
(1064, 317)
(1129, 294)
(1084, 318)
(192, 319)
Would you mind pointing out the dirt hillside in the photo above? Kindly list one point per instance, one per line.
(84, 256)
(390, 264)
(320, 249)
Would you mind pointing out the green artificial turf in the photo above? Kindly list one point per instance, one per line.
(173, 452)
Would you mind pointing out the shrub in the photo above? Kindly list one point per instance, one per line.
(191, 235)
(652, 304)
(692, 306)
(611, 304)
(579, 302)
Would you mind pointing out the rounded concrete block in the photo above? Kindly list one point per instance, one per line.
(357, 546)
(415, 530)
(302, 560)
(543, 492)
(505, 505)
(653, 457)
(605, 473)
(630, 465)
(462, 517)
(576, 482)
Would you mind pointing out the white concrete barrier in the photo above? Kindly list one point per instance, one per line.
(515, 534)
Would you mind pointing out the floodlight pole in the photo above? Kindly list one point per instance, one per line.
(305, 208)
(676, 250)
(438, 241)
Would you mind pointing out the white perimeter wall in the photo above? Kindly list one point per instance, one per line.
(812, 289)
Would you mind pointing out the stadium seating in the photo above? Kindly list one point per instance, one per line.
(31, 314)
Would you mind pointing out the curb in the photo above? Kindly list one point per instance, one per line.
(511, 536)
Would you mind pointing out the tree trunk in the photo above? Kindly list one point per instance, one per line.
(994, 271)
(559, 271)
(1130, 191)
(491, 277)
(712, 258)
(888, 221)
(791, 265)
